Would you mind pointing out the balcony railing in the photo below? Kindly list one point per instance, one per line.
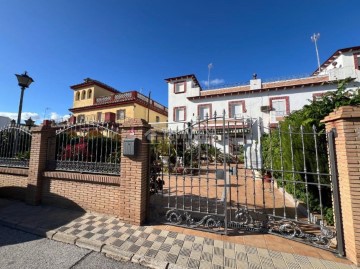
(130, 96)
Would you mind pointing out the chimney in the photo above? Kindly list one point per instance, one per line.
(255, 83)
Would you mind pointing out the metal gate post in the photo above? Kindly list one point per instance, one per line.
(336, 196)
(225, 179)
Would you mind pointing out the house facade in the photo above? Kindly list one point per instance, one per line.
(4, 121)
(95, 101)
(268, 102)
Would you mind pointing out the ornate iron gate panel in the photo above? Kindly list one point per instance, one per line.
(15, 146)
(238, 176)
(88, 147)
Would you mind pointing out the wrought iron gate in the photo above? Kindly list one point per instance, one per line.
(239, 176)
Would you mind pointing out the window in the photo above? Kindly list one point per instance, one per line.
(357, 61)
(77, 96)
(179, 113)
(89, 93)
(83, 94)
(157, 119)
(180, 87)
(318, 96)
(120, 114)
(280, 106)
(98, 116)
(80, 118)
(204, 111)
(236, 109)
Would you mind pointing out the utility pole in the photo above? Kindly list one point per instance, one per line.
(315, 38)
(148, 115)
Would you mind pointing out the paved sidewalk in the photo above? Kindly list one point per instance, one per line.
(164, 246)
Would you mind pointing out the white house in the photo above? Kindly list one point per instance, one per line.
(267, 102)
(4, 121)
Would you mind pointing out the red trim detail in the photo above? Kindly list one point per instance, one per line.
(180, 82)
(287, 102)
(319, 94)
(205, 105)
(113, 103)
(242, 102)
(356, 60)
(246, 90)
(174, 114)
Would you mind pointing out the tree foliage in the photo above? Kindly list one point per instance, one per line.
(299, 144)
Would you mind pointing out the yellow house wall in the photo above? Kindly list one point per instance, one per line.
(83, 102)
(101, 92)
(131, 111)
(96, 92)
(141, 112)
(92, 115)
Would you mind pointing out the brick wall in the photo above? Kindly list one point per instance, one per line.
(134, 175)
(81, 195)
(13, 183)
(124, 196)
(346, 121)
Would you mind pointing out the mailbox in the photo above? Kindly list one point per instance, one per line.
(131, 146)
(220, 174)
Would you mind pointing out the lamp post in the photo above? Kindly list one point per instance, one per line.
(24, 82)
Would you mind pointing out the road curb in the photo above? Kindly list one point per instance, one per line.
(174, 266)
(89, 244)
(116, 253)
(149, 262)
(65, 238)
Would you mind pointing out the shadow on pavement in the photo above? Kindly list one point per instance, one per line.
(34, 219)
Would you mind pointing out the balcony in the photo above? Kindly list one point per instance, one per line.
(132, 96)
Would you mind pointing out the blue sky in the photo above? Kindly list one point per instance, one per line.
(135, 45)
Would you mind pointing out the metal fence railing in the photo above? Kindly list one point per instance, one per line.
(15, 145)
(88, 147)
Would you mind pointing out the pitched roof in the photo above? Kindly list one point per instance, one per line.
(192, 76)
(333, 57)
(90, 82)
(277, 85)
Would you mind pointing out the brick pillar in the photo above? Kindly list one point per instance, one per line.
(38, 157)
(346, 121)
(134, 174)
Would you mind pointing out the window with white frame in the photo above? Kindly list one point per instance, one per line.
(179, 113)
(236, 109)
(279, 107)
(204, 111)
(120, 114)
(180, 87)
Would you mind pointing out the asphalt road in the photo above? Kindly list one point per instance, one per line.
(20, 250)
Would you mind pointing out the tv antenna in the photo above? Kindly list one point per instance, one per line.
(210, 65)
(315, 38)
(46, 109)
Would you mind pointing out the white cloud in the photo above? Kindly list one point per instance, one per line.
(24, 115)
(56, 117)
(35, 116)
(213, 82)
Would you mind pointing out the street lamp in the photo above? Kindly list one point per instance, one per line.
(24, 82)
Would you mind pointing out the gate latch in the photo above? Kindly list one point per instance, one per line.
(232, 171)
